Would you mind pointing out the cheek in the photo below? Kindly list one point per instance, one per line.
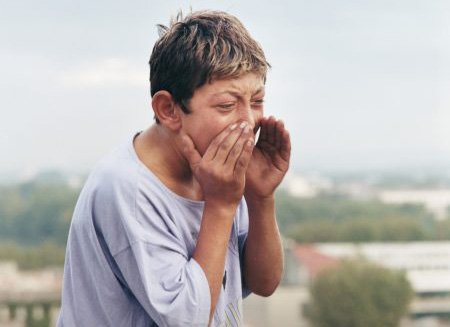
(203, 136)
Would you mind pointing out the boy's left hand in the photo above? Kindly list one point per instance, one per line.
(270, 160)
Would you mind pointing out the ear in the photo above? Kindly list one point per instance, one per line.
(166, 110)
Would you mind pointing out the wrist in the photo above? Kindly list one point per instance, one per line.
(259, 200)
(260, 206)
(221, 208)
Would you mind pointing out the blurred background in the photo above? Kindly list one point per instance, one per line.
(363, 86)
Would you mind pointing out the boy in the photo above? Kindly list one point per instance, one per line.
(176, 226)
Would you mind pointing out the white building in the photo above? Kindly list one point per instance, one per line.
(28, 288)
(435, 200)
(426, 264)
(306, 186)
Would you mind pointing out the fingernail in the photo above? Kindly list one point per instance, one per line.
(250, 143)
(232, 127)
(247, 129)
(243, 124)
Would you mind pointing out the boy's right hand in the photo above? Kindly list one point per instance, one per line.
(221, 170)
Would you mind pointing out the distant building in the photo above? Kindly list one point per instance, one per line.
(426, 264)
(28, 295)
(284, 307)
(306, 186)
(435, 200)
(14, 281)
(311, 262)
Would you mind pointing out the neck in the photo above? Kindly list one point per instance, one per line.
(160, 150)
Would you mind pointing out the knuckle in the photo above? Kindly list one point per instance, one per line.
(227, 178)
(217, 175)
(241, 162)
(225, 145)
(234, 152)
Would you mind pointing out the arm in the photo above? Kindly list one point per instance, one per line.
(263, 252)
(211, 248)
(174, 289)
(221, 174)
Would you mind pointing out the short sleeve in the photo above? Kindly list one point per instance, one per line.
(170, 286)
(242, 238)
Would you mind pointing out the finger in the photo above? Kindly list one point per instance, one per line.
(211, 151)
(271, 130)
(236, 150)
(285, 150)
(227, 144)
(191, 152)
(244, 159)
(279, 129)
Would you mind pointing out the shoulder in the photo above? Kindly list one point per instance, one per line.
(121, 181)
(114, 173)
(113, 183)
(121, 200)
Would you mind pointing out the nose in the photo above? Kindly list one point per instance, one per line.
(246, 114)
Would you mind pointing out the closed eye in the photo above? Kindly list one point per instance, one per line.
(258, 102)
(226, 106)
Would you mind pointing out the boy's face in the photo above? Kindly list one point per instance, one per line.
(216, 105)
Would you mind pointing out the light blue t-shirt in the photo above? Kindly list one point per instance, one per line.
(129, 254)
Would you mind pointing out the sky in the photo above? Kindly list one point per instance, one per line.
(360, 84)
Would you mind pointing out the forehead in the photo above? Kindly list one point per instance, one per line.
(246, 85)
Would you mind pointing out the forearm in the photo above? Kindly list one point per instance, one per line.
(263, 253)
(212, 245)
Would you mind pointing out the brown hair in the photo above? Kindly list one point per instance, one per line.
(198, 48)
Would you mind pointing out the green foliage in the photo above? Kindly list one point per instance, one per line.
(443, 229)
(358, 294)
(34, 213)
(335, 218)
(360, 230)
(34, 223)
(39, 212)
(28, 258)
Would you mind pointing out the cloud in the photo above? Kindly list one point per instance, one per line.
(110, 72)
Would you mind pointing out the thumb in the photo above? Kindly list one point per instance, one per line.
(191, 152)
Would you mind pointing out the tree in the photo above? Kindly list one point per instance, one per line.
(358, 294)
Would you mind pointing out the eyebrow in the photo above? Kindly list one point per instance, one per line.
(235, 93)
